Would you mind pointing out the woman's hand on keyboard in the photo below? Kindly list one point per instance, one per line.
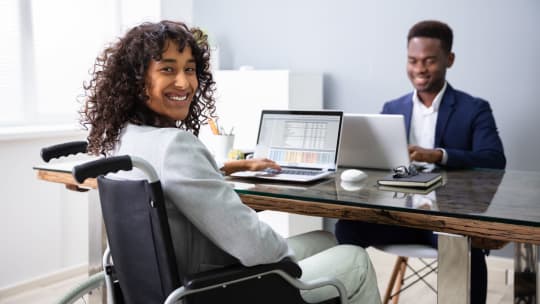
(261, 164)
(253, 164)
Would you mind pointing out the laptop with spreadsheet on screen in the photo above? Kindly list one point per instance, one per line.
(304, 143)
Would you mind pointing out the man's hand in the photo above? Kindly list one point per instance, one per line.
(254, 164)
(425, 155)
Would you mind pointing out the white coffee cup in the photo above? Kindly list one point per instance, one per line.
(221, 145)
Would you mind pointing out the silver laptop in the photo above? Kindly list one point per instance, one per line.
(376, 141)
(304, 143)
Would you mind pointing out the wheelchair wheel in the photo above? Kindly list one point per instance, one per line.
(82, 292)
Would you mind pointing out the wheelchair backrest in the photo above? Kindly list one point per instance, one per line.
(139, 239)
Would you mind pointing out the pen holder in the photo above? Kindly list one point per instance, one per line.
(220, 145)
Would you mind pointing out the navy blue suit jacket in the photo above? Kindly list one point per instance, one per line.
(465, 129)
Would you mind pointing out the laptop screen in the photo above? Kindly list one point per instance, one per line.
(306, 139)
(377, 141)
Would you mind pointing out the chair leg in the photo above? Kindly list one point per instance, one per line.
(400, 278)
(397, 273)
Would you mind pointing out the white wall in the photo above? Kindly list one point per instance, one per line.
(178, 10)
(43, 227)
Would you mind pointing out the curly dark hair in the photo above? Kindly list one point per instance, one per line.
(116, 93)
(433, 29)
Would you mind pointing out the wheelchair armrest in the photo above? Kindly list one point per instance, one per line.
(234, 272)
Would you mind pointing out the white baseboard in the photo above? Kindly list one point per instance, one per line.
(44, 280)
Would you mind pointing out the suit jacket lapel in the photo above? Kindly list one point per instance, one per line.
(445, 111)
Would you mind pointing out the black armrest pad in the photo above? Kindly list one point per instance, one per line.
(234, 272)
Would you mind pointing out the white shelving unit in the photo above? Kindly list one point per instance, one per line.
(242, 95)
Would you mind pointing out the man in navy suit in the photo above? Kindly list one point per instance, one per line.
(446, 127)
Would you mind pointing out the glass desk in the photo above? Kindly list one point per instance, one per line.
(479, 206)
(501, 205)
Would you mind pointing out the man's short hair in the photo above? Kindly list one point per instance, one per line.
(433, 29)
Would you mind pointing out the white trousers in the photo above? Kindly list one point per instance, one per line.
(318, 255)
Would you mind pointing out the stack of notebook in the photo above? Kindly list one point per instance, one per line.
(421, 180)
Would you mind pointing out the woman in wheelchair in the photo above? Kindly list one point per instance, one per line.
(149, 94)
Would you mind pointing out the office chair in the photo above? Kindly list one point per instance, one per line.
(143, 267)
(398, 281)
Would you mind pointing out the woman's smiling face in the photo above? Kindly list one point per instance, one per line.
(172, 82)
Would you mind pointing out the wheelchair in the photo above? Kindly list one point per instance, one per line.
(139, 265)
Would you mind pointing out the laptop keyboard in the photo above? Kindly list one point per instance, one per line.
(299, 172)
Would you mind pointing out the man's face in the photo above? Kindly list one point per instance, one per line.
(427, 63)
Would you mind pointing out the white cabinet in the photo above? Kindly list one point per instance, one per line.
(242, 95)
